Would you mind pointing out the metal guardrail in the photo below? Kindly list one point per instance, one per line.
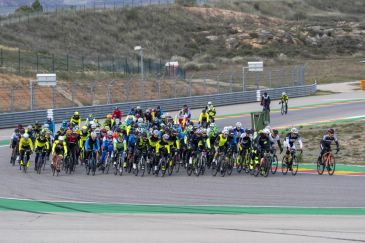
(8, 120)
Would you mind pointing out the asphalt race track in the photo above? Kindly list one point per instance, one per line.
(307, 190)
(179, 208)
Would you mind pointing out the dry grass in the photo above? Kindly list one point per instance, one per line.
(352, 149)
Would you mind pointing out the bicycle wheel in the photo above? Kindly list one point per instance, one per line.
(256, 169)
(282, 109)
(196, 166)
(274, 164)
(239, 164)
(108, 163)
(203, 163)
(331, 165)
(294, 166)
(170, 167)
(53, 168)
(13, 157)
(321, 164)
(40, 165)
(214, 167)
(223, 167)
(230, 164)
(163, 166)
(189, 168)
(268, 166)
(284, 165)
(177, 164)
(142, 165)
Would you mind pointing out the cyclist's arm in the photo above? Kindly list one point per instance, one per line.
(300, 143)
(64, 148)
(208, 143)
(177, 143)
(53, 148)
(47, 145)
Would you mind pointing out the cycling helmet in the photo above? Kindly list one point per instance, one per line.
(61, 138)
(239, 124)
(209, 103)
(97, 131)
(225, 132)
(283, 93)
(294, 130)
(204, 110)
(204, 131)
(109, 116)
(93, 126)
(26, 136)
(103, 130)
(91, 115)
(165, 137)
(107, 128)
(76, 113)
(331, 131)
(29, 127)
(84, 128)
(36, 123)
(120, 137)
(275, 131)
(16, 130)
(140, 120)
(110, 133)
(93, 135)
(266, 131)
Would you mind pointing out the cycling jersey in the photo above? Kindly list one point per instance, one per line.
(203, 117)
(284, 98)
(25, 144)
(76, 120)
(327, 140)
(141, 143)
(163, 145)
(153, 141)
(119, 146)
(41, 143)
(290, 140)
(92, 144)
(59, 147)
(221, 141)
(245, 142)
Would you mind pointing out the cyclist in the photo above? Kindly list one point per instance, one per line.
(163, 148)
(290, 140)
(276, 138)
(15, 137)
(106, 147)
(204, 118)
(92, 144)
(221, 144)
(41, 147)
(72, 143)
(141, 146)
(284, 100)
(186, 113)
(117, 113)
(109, 122)
(76, 119)
(139, 112)
(51, 125)
(326, 142)
(25, 144)
(148, 116)
(245, 143)
(265, 102)
(211, 111)
(263, 142)
(119, 145)
(59, 151)
(37, 128)
(90, 120)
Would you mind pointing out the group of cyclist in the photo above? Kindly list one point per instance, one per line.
(153, 134)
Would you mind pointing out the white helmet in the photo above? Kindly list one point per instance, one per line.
(283, 93)
(239, 124)
(225, 132)
(110, 133)
(140, 120)
(61, 138)
(268, 128)
(93, 126)
(26, 136)
(266, 131)
(294, 130)
(209, 103)
(45, 126)
(165, 137)
(93, 135)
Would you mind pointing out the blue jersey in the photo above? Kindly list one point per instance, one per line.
(92, 144)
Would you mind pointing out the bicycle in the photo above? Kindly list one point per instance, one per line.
(91, 163)
(118, 165)
(162, 165)
(220, 165)
(243, 161)
(290, 163)
(41, 155)
(284, 108)
(108, 161)
(14, 154)
(24, 163)
(274, 161)
(232, 159)
(174, 162)
(327, 161)
(265, 164)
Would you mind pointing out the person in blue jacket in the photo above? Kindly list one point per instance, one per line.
(92, 144)
(51, 125)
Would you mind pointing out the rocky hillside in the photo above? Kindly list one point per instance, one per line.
(194, 34)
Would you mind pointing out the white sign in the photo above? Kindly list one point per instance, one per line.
(47, 79)
(255, 66)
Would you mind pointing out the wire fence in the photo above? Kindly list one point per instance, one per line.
(30, 96)
(29, 62)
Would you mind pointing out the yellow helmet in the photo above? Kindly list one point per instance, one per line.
(76, 113)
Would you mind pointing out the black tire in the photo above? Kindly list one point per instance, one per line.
(108, 164)
(230, 164)
(321, 164)
(256, 169)
(274, 164)
(142, 165)
(282, 109)
(294, 166)
(170, 167)
(163, 167)
(40, 165)
(177, 165)
(331, 166)
(204, 164)
(223, 167)
(284, 165)
(189, 169)
(53, 169)
(196, 166)
(214, 167)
